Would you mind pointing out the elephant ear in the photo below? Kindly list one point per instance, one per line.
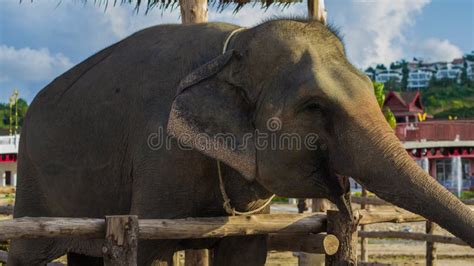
(213, 116)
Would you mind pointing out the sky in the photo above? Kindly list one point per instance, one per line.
(41, 39)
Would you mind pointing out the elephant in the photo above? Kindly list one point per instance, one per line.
(160, 124)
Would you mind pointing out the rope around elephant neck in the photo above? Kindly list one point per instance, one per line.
(227, 207)
(229, 37)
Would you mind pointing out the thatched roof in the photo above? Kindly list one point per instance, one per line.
(170, 4)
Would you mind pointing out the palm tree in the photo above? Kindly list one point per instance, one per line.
(196, 11)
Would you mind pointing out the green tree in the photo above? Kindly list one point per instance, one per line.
(464, 79)
(381, 67)
(392, 85)
(5, 113)
(380, 96)
(405, 73)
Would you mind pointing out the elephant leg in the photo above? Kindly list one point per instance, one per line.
(74, 259)
(26, 252)
(236, 251)
(150, 251)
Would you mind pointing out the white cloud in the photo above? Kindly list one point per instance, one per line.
(251, 15)
(375, 30)
(434, 49)
(31, 64)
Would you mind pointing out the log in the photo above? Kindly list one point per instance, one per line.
(468, 201)
(389, 216)
(414, 236)
(346, 231)
(430, 246)
(309, 243)
(7, 190)
(121, 240)
(7, 201)
(232, 226)
(369, 201)
(36, 227)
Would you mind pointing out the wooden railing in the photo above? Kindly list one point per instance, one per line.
(291, 232)
(427, 237)
(328, 233)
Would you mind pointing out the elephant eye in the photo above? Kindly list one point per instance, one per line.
(312, 107)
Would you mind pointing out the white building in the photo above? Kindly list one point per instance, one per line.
(371, 75)
(387, 75)
(470, 70)
(449, 72)
(419, 79)
(8, 160)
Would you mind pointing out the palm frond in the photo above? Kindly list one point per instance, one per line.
(171, 4)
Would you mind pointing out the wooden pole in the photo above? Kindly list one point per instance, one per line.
(208, 227)
(388, 216)
(346, 231)
(430, 246)
(193, 11)
(305, 259)
(211, 227)
(310, 243)
(196, 257)
(317, 10)
(364, 242)
(121, 240)
(414, 236)
(7, 190)
(302, 206)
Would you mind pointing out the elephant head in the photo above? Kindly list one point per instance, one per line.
(288, 79)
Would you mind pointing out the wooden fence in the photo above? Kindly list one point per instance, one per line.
(428, 237)
(321, 233)
(329, 234)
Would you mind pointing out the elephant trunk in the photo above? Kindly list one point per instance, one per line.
(380, 163)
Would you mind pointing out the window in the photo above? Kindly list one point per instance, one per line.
(466, 169)
(8, 178)
(443, 169)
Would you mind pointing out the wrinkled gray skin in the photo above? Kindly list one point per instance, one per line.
(84, 150)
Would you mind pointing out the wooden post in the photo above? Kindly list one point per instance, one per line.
(193, 11)
(317, 10)
(198, 257)
(121, 240)
(317, 205)
(430, 246)
(345, 230)
(302, 206)
(364, 242)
